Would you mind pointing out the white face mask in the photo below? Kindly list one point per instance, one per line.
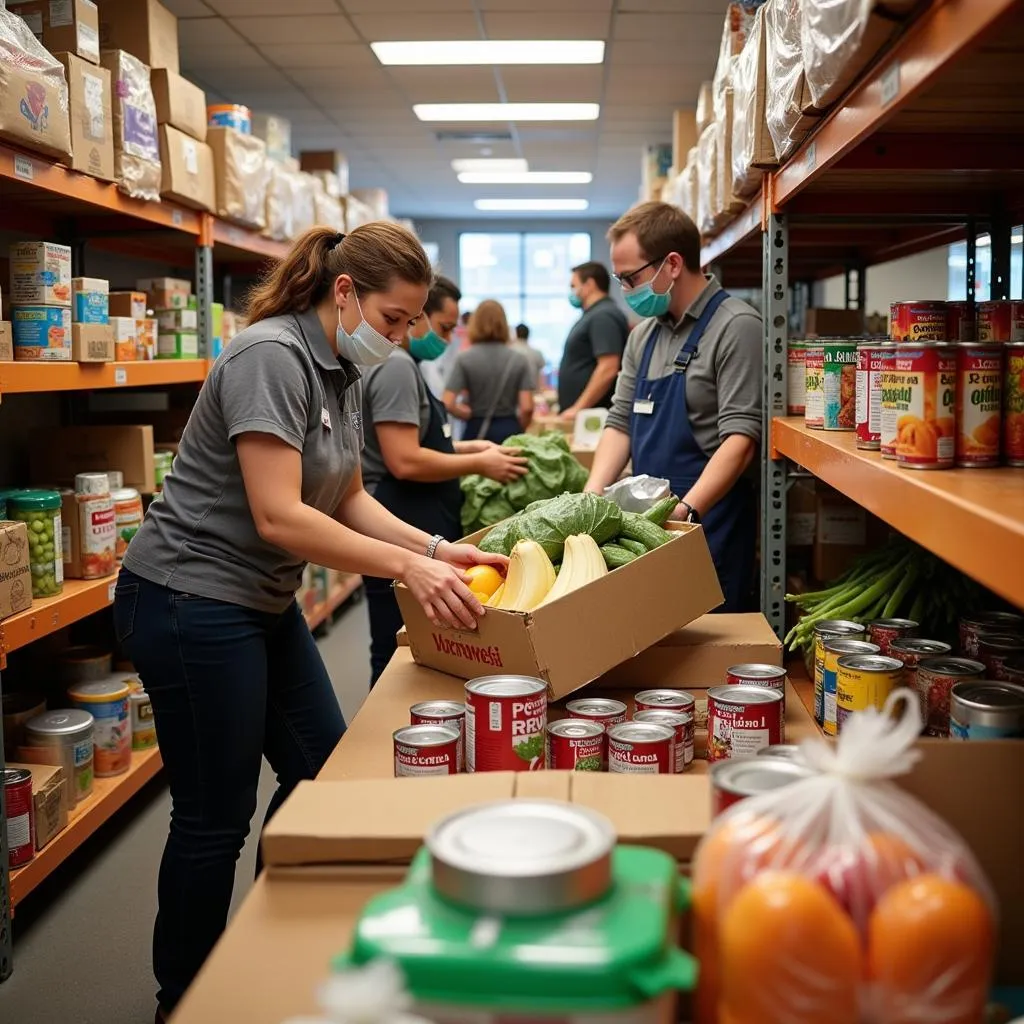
(365, 346)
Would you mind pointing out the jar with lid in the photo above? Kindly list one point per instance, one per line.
(90, 533)
(40, 512)
(66, 735)
(128, 513)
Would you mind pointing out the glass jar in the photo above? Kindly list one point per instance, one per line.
(128, 512)
(40, 512)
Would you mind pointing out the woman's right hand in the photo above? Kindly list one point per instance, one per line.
(443, 592)
(503, 464)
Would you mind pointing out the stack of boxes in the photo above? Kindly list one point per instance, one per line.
(41, 301)
(127, 312)
(187, 161)
(177, 317)
(92, 337)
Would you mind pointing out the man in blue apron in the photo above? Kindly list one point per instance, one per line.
(687, 404)
(410, 463)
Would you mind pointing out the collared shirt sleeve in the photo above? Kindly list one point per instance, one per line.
(738, 371)
(608, 333)
(392, 392)
(621, 412)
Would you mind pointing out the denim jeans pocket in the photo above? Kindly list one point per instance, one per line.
(126, 600)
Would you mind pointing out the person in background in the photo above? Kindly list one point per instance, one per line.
(266, 478)
(410, 464)
(498, 381)
(522, 345)
(593, 351)
(688, 401)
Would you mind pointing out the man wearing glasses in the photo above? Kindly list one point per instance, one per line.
(687, 405)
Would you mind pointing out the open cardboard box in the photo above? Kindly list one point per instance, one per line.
(581, 636)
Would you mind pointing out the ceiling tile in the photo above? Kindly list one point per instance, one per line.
(560, 6)
(188, 8)
(446, 84)
(209, 33)
(333, 28)
(379, 28)
(232, 8)
(672, 7)
(265, 80)
(698, 30)
(553, 25)
(576, 84)
(371, 82)
(319, 55)
(216, 59)
(404, 6)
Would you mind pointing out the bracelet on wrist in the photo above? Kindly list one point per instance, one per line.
(435, 542)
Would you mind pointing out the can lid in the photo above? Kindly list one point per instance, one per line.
(952, 666)
(782, 751)
(426, 735)
(576, 728)
(506, 686)
(757, 671)
(669, 698)
(125, 494)
(664, 716)
(1001, 642)
(15, 776)
(871, 663)
(752, 775)
(522, 857)
(919, 645)
(747, 694)
(438, 709)
(596, 706)
(986, 693)
(838, 627)
(894, 623)
(100, 691)
(92, 483)
(847, 645)
(64, 722)
(31, 501)
(640, 732)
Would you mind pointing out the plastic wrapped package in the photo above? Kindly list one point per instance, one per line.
(705, 106)
(707, 179)
(280, 204)
(689, 186)
(374, 198)
(326, 208)
(356, 213)
(749, 142)
(304, 213)
(33, 92)
(840, 37)
(738, 19)
(840, 897)
(330, 181)
(672, 192)
(243, 173)
(137, 167)
(788, 95)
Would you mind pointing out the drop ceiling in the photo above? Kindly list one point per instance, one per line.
(310, 61)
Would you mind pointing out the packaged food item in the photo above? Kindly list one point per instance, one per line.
(836, 648)
(230, 115)
(597, 709)
(162, 462)
(665, 700)
(89, 528)
(1013, 404)
(67, 736)
(912, 650)
(177, 345)
(742, 720)
(145, 339)
(42, 333)
(107, 701)
(884, 631)
(994, 651)
(925, 400)
(19, 816)
(681, 724)
(972, 626)
(125, 338)
(128, 514)
(840, 385)
(40, 512)
(889, 414)
(796, 377)
(85, 663)
(426, 750)
(90, 299)
(16, 581)
(505, 721)
(136, 145)
(916, 321)
(575, 744)
(40, 274)
(864, 681)
(641, 748)
(814, 386)
(180, 319)
(143, 724)
(242, 172)
(92, 343)
(733, 781)
(872, 360)
(166, 292)
(128, 304)
(92, 124)
(829, 629)
(983, 710)
(936, 678)
(771, 676)
(960, 321)
(979, 404)
(804, 914)
(996, 320)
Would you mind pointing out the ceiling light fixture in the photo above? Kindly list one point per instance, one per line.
(526, 177)
(507, 111)
(507, 166)
(490, 51)
(531, 205)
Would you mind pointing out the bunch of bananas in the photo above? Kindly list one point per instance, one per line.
(531, 580)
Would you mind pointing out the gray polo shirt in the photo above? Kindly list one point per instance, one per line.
(493, 373)
(601, 330)
(723, 380)
(393, 392)
(279, 377)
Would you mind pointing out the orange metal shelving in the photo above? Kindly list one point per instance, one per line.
(22, 378)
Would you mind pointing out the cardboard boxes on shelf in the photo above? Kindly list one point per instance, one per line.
(125, 448)
(187, 169)
(129, 304)
(166, 292)
(40, 274)
(820, 322)
(16, 579)
(330, 162)
(124, 332)
(90, 300)
(242, 173)
(143, 27)
(179, 103)
(92, 343)
(49, 800)
(42, 333)
(70, 26)
(136, 145)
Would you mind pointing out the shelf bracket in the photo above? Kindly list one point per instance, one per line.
(775, 317)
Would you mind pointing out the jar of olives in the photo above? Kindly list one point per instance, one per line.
(40, 512)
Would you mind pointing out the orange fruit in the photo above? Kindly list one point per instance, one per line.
(930, 950)
(788, 954)
(484, 580)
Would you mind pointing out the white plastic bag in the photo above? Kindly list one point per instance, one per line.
(841, 898)
(638, 493)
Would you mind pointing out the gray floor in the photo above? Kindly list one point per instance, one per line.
(82, 939)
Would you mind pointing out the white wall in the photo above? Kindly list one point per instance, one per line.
(925, 276)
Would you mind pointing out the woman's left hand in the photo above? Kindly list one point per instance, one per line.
(465, 555)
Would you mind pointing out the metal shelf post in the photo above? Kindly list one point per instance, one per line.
(6, 945)
(204, 298)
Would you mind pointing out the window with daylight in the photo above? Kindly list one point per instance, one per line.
(957, 262)
(528, 273)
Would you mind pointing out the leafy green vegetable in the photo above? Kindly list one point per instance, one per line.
(588, 764)
(531, 747)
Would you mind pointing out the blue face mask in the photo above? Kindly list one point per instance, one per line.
(645, 301)
(575, 301)
(429, 347)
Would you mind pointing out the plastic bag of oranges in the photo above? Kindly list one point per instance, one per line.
(840, 898)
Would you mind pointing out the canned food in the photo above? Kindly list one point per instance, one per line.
(522, 857)
(20, 816)
(814, 386)
(925, 400)
(143, 725)
(107, 701)
(828, 629)
(796, 377)
(872, 360)
(752, 674)
(505, 721)
(67, 735)
(889, 415)
(836, 648)
(783, 751)
(229, 115)
(960, 321)
(1000, 320)
(742, 720)
(884, 631)
(641, 748)
(665, 700)
(979, 404)
(442, 712)
(85, 663)
(1014, 669)
(864, 681)
(733, 781)
(598, 709)
(426, 750)
(936, 677)
(912, 650)
(1013, 404)
(840, 385)
(995, 650)
(984, 710)
(919, 320)
(575, 744)
(681, 724)
(972, 626)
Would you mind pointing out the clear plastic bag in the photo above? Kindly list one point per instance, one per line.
(638, 493)
(841, 898)
(707, 179)
(786, 97)
(743, 177)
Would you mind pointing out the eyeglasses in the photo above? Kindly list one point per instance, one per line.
(629, 280)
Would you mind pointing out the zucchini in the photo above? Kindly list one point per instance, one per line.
(649, 534)
(615, 556)
(630, 545)
(659, 512)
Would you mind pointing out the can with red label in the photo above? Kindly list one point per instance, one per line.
(733, 781)
(597, 709)
(575, 744)
(426, 750)
(872, 360)
(1013, 404)
(742, 720)
(936, 678)
(814, 386)
(505, 721)
(995, 650)
(925, 402)
(920, 320)
(960, 321)
(665, 700)
(884, 631)
(771, 676)
(796, 377)
(442, 712)
(641, 748)
(912, 650)
(972, 626)
(681, 723)
(20, 818)
(998, 319)
(979, 404)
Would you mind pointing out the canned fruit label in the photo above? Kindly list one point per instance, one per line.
(995, 320)
(840, 386)
(889, 412)
(917, 321)
(796, 378)
(505, 733)
(741, 730)
(814, 387)
(924, 394)
(1013, 409)
(979, 404)
(871, 364)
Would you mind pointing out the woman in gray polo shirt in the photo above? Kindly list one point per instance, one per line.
(267, 477)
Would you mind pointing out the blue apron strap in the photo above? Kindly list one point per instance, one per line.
(648, 353)
(689, 349)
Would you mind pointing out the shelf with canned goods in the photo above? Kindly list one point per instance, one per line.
(34, 377)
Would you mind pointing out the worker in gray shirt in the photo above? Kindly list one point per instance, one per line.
(687, 405)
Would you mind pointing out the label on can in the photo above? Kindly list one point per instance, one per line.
(449, 713)
(872, 360)
(840, 385)
(979, 404)
(960, 323)
(936, 678)
(814, 387)
(681, 724)
(1013, 406)
(97, 533)
(864, 681)
(849, 630)
(884, 631)
(742, 720)
(83, 758)
(994, 320)
(924, 394)
(917, 321)
(426, 750)
(112, 737)
(20, 816)
(575, 744)
(505, 731)
(641, 748)
(796, 377)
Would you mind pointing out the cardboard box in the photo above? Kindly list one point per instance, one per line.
(6, 342)
(331, 161)
(92, 343)
(625, 612)
(843, 532)
(146, 331)
(833, 323)
(242, 173)
(179, 103)
(92, 123)
(177, 345)
(129, 304)
(143, 27)
(72, 450)
(63, 26)
(40, 274)
(177, 319)
(90, 300)
(166, 292)
(186, 170)
(125, 338)
(16, 576)
(684, 136)
(49, 799)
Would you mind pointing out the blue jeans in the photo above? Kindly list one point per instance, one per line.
(501, 427)
(229, 686)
